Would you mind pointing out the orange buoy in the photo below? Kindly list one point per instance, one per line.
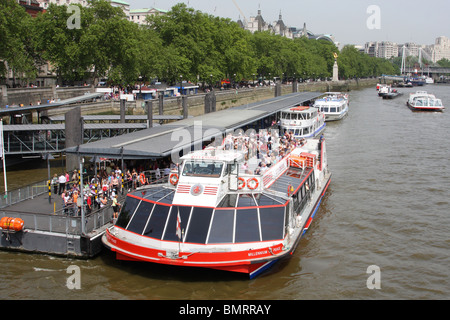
(173, 178)
(14, 224)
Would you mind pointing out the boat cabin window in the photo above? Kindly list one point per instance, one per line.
(304, 116)
(333, 109)
(286, 115)
(203, 169)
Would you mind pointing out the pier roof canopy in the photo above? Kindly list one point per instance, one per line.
(165, 140)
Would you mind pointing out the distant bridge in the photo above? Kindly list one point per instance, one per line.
(436, 71)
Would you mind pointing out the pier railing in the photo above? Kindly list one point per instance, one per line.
(66, 220)
(62, 223)
(24, 193)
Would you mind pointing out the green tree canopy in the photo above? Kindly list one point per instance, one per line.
(184, 44)
(16, 40)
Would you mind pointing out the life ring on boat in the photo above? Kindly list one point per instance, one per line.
(173, 179)
(252, 183)
(142, 178)
(241, 183)
(290, 190)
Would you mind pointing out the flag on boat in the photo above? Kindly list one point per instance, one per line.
(178, 232)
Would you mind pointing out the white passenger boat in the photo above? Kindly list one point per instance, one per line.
(424, 101)
(302, 121)
(214, 213)
(383, 90)
(334, 105)
(429, 80)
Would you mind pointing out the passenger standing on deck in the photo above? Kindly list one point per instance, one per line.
(104, 201)
(55, 182)
(67, 180)
(62, 183)
(116, 206)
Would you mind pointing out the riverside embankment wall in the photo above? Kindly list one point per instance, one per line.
(224, 99)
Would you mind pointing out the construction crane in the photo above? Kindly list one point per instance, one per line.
(243, 15)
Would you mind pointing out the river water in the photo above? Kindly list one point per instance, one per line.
(387, 209)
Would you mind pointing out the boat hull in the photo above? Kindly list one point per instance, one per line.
(251, 262)
(335, 117)
(414, 108)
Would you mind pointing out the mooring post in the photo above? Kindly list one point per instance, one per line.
(149, 107)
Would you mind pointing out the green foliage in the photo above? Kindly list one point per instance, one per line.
(353, 63)
(445, 63)
(16, 41)
(184, 42)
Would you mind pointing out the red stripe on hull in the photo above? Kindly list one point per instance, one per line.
(241, 261)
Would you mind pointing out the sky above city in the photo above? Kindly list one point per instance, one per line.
(349, 21)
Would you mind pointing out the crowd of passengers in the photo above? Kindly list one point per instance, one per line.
(264, 147)
(103, 189)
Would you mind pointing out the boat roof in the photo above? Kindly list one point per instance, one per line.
(300, 109)
(214, 154)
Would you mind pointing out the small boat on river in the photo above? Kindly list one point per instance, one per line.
(334, 105)
(302, 121)
(424, 101)
(215, 212)
(383, 90)
(392, 93)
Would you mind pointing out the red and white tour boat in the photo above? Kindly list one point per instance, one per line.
(216, 212)
(424, 101)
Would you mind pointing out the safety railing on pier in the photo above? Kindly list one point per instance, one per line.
(24, 193)
(62, 223)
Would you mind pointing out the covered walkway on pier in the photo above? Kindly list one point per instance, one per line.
(165, 140)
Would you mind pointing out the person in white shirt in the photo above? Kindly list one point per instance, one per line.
(62, 183)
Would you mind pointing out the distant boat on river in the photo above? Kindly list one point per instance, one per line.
(424, 101)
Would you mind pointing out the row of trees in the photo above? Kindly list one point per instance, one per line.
(184, 42)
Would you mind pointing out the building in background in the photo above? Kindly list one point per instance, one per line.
(257, 23)
(139, 16)
(32, 7)
(440, 49)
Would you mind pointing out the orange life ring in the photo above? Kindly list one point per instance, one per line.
(142, 178)
(173, 178)
(249, 185)
(241, 183)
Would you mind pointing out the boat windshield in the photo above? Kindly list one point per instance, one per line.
(203, 169)
(435, 103)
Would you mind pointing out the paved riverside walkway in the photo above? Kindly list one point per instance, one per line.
(38, 204)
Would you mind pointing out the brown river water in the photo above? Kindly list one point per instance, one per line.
(387, 206)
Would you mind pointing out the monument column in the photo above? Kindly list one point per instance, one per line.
(335, 69)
